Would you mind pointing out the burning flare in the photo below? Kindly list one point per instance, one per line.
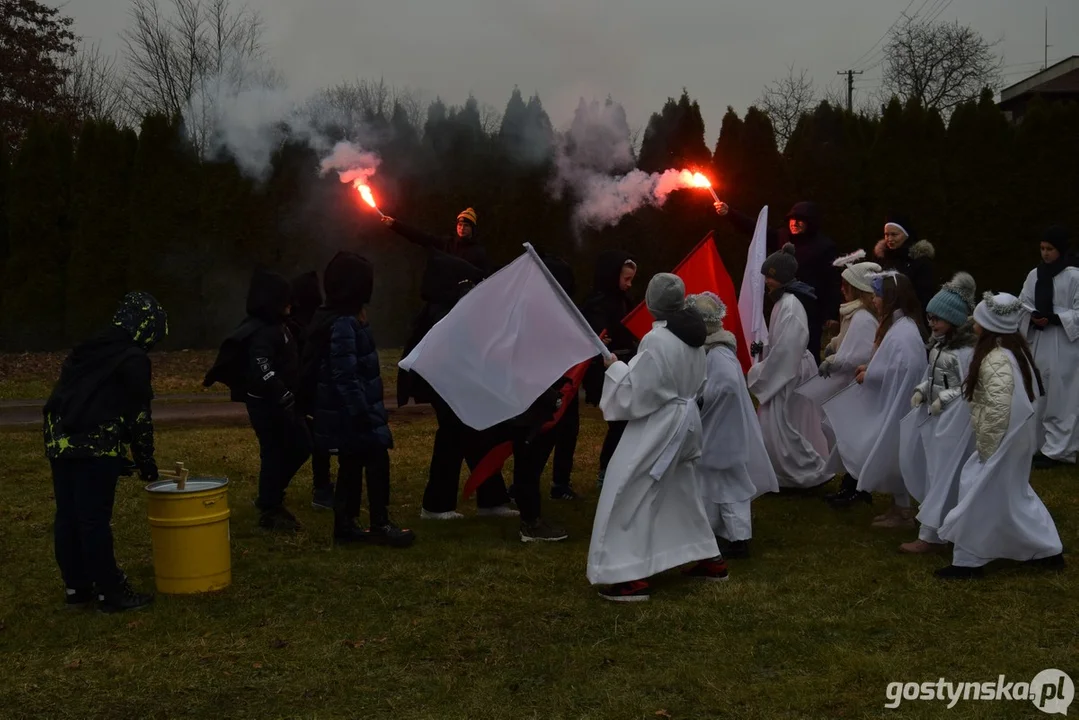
(365, 193)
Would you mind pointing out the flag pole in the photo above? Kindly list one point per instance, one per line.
(574, 310)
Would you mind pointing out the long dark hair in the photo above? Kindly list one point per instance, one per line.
(1018, 346)
(897, 293)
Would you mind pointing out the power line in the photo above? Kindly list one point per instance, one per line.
(941, 11)
(878, 42)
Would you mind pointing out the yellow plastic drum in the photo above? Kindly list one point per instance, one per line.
(189, 528)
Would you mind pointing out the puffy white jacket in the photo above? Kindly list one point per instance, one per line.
(990, 411)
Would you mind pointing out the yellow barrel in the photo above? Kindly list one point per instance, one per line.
(189, 527)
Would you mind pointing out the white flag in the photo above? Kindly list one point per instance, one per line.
(751, 293)
(504, 344)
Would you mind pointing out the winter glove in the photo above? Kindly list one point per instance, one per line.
(148, 470)
(825, 369)
(917, 400)
(936, 408)
(756, 349)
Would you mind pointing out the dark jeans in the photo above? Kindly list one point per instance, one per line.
(454, 442)
(565, 443)
(284, 446)
(529, 459)
(610, 443)
(84, 492)
(320, 462)
(348, 495)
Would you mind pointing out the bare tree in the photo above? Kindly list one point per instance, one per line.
(490, 119)
(939, 64)
(183, 57)
(785, 100)
(94, 86)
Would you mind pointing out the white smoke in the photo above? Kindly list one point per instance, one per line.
(594, 164)
(251, 124)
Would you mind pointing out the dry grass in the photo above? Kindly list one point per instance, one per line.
(470, 623)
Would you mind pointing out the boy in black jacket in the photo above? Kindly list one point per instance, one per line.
(101, 404)
(341, 373)
(260, 364)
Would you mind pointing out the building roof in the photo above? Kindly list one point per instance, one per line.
(1062, 77)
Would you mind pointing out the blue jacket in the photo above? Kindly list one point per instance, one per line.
(348, 409)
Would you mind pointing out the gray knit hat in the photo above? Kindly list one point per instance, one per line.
(782, 265)
(666, 295)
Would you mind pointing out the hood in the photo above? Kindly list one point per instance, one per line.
(306, 294)
(721, 337)
(809, 213)
(963, 337)
(141, 316)
(562, 272)
(687, 326)
(349, 282)
(800, 288)
(268, 296)
(608, 269)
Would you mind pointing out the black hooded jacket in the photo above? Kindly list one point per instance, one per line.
(102, 400)
(913, 259)
(306, 299)
(604, 309)
(454, 266)
(815, 253)
(259, 361)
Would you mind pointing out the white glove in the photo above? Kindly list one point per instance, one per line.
(917, 400)
(936, 408)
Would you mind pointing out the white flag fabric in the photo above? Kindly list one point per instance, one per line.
(751, 293)
(504, 343)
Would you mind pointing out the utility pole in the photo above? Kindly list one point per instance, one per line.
(1046, 65)
(850, 86)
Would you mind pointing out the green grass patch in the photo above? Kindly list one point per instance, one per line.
(470, 623)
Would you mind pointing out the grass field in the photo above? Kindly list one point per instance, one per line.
(30, 376)
(470, 623)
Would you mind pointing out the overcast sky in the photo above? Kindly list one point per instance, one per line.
(723, 51)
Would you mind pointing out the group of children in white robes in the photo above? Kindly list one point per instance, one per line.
(954, 429)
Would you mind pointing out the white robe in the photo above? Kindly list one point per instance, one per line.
(998, 514)
(1056, 353)
(734, 467)
(790, 423)
(932, 451)
(865, 418)
(650, 517)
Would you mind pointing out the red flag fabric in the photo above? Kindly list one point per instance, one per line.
(701, 270)
(493, 461)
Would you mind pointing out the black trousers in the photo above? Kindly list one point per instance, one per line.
(529, 459)
(348, 495)
(565, 443)
(610, 443)
(84, 492)
(456, 442)
(284, 446)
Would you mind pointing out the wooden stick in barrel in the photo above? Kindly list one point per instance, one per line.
(181, 476)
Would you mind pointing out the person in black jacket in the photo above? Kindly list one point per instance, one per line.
(604, 309)
(350, 418)
(306, 300)
(902, 251)
(815, 253)
(455, 264)
(99, 406)
(260, 364)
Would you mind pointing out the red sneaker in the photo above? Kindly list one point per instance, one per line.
(712, 570)
(633, 591)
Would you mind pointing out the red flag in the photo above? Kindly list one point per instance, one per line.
(701, 270)
(494, 460)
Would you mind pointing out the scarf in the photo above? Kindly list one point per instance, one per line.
(1043, 288)
(846, 312)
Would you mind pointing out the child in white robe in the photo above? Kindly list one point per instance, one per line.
(790, 423)
(650, 517)
(734, 467)
(1051, 321)
(998, 514)
(848, 351)
(866, 416)
(936, 437)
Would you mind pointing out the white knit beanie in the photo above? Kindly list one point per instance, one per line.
(999, 313)
(859, 276)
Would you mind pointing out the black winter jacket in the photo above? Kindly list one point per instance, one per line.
(604, 309)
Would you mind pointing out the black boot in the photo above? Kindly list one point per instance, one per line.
(736, 549)
(389, 534)
(347, 531)
(121, 598)
(847, 486)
